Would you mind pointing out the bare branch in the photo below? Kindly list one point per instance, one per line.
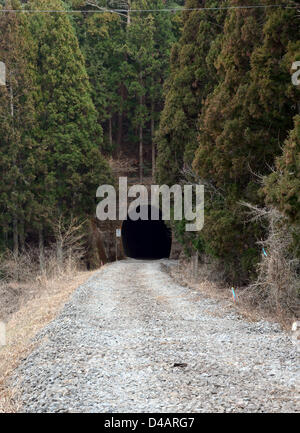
(94, 3)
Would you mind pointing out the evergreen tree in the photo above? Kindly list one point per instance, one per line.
(119, 48)
(68, 126)
(149, 38)
(20, 153)
(190, 81)
(140, 46)
(283, 185)
(101, 38)
(222, 152)
(241, 127)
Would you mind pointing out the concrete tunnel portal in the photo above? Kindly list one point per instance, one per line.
(146, 239)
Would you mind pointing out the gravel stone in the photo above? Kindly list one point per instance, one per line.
(115, 343)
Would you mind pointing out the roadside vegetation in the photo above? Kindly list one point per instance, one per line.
(32, 292)
(231, 122)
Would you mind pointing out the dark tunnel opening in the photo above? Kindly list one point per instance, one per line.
(146, 239)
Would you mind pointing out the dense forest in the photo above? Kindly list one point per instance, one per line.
(232, 115)
(80, 88)
(197, 96)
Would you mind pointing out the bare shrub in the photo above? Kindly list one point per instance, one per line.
(22, 277)
(70, 248)
(63, 257)
(18, 267)
(277, 286)
(123, 166)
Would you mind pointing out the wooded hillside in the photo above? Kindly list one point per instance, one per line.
(231, 117)
(201, 96)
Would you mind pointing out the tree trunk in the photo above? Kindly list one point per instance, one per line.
(128, 13)
(120, 129)
(6, 237)
(41, 250)
(59, 253)
(141, 154)
(22, 235)
(152, 140)
(141, 132)
(110, 132)
(120, 115)
(15, 234)
(15, 218)
(11, 94)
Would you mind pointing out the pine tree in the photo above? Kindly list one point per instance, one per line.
(222, 153)
(67, 117)
(283, 185)
(101, 38)
(140, 46)
(118, 49)
(20, 153)
(189, 83)
(164, 36)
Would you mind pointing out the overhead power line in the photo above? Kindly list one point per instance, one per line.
(97, 11)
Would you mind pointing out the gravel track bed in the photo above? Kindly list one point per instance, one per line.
(114, 346)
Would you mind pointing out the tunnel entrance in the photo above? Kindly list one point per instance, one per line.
(146, 239)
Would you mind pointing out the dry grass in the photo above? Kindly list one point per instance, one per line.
(275, 294)
(23, 275)
(23, 325)
(123, 166)
(277, 287)
(211, 288)
(34, 286)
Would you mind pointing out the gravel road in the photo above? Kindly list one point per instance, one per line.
(115, 346)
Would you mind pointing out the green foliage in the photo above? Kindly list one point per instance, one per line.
(229, 106)
(244, 121)
(20, 153)
(189, 83)
(67, 117)
(283, 185)
(101, 39)
(77, 80)
(127, 57)
(50, 138)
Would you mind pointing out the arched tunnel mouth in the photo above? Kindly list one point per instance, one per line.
(146, 239)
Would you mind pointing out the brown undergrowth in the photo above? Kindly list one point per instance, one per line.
(205, 282)
(34, 312)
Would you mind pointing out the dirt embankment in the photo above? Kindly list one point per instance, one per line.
(26, 309)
